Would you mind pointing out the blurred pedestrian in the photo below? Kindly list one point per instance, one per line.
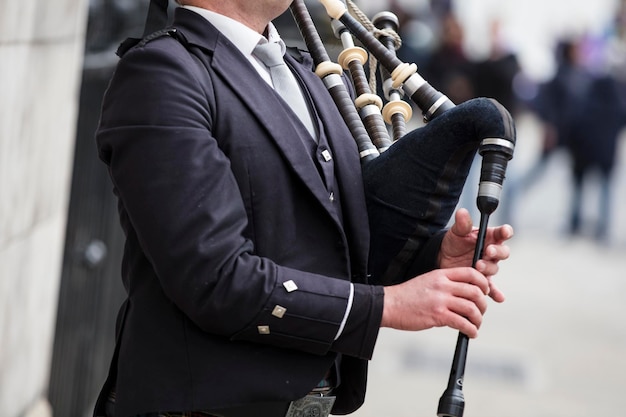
(494, 76)
(448, 68)
(592, 145)
(556, 105)
(559, 100)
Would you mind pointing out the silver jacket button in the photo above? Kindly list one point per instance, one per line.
(290, 286)
(279, 311)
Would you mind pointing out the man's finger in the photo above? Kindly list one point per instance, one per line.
(462, 223)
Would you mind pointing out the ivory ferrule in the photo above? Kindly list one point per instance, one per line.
(367, 99)
(402, 73)
(352, 54)
(397, 107)
(334, 8)
(326, 68)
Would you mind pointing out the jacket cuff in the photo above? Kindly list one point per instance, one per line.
(303, 312)
(361, 330)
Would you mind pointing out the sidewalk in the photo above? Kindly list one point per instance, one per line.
(555, 348)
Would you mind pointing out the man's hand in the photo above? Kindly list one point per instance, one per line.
(457, 248)
(452, 297)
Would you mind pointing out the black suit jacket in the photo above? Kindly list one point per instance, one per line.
(223, 208)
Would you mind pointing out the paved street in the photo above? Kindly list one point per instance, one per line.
(555, 348)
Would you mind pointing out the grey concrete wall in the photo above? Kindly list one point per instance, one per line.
(41, 49)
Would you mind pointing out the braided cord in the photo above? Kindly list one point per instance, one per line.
(367, 23)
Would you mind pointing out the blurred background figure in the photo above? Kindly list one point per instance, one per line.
(592, 143)
(494, 75)
(557, 104)
(583, 114)
(596, 129)
(448, 68)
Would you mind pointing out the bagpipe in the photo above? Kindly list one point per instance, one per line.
(380, 131)
(487, 124)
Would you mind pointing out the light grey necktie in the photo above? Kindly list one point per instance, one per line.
(270, 53)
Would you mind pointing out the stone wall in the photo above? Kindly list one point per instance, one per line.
(41, 49)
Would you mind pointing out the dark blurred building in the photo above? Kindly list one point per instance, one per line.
(91, 290)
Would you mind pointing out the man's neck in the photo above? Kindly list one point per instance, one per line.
(250, 13)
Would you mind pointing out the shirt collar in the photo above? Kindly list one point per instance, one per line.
(243, 37)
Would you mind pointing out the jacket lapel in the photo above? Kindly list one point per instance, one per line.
(235, 70)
